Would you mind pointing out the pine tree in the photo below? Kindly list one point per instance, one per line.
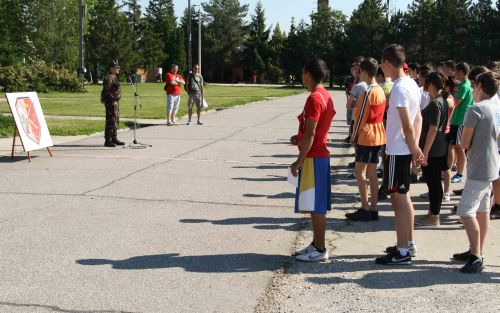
(257, 44)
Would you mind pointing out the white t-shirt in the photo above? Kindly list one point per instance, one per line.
(404, 94)
(425, 98)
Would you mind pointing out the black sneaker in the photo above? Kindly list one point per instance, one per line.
(117, 142)
(458, 192)
(352, 165)
(474, 265)
(421, 179)
(360, 215)
(109, 144)
(380, 173)
(462, 257)
(374, 215)
(495, 212)
(413, 178)
(348, 139)
(394, 259)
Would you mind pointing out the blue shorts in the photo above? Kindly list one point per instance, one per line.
(313, 194)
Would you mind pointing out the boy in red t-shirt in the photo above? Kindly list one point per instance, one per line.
(173, 82)
(313, 193)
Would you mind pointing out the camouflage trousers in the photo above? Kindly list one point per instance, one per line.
(112, 119)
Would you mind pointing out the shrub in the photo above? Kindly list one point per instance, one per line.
(38, 77)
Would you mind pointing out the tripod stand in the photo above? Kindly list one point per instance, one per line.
(135, 144)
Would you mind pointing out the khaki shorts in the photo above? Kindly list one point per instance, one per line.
(475, 198)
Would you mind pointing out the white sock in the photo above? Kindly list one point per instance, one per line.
(410, 243)
(403, 251)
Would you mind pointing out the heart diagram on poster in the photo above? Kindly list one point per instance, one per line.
(29, 119)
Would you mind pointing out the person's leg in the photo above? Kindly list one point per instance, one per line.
(191, 101)
(447, 181)
(401, 205)
(433, 174)
(361, 179)
(483, 219)
(319, 230)
(471, 226)
(373, 179)
(461, 159)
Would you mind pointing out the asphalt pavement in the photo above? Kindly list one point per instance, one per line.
(203, 221)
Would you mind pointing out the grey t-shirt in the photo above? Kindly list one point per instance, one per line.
(482, 155)
(194, 84)
(355, 92)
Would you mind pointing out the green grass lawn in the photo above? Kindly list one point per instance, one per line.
(60, 127)
(153, 100)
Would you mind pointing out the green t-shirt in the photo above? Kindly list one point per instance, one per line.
(464, 92)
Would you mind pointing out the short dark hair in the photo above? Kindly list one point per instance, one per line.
(425, 70)
(317, 68)
(380, 72)
(494, 66)
(489, 83)
(414, 67)
(358, 59)
(174, 65)
(395, 55)
(370, 66)
(463, 67)
(476, 71)
(450, 63)
(436, 79)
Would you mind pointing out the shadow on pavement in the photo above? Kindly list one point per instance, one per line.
(16, 158)
(421, 274)
(224, 263)
(264, 223)
(272, 178)
(283, 195)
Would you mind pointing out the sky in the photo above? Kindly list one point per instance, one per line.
(281, 11)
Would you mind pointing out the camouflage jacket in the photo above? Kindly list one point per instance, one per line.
(111, 90)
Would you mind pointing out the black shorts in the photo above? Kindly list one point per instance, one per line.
(366, 154)
(456, 134)
(397, 174)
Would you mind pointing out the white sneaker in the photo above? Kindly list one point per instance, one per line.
(307, 249)
(313, 256)
(446, 197)
(169, 123)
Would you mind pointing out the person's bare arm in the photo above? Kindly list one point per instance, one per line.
(467, 133)
(417, 127)
(429, 140)
(408, 131)
(350, 102)
(305, 145)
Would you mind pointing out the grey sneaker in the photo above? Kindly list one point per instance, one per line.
(313, 256)
(188, 122)
(169, 123)
(199, 123)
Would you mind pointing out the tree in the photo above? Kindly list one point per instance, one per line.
(257, 44)
(274, 60)
(453, 36)
(109, 37)
(160, 25)
(326, 33)
(224, 36)
(423, 26)
(15, 45)
(485, 37)
(297, 50)
(135, 26)
(368, 18)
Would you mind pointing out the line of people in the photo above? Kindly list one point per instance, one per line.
(413, 116)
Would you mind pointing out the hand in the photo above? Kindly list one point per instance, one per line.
(425, 160)
(417, 156)
(294, 168)
(293, 140)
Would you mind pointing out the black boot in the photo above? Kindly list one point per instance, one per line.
(117, 142)
(109, 143)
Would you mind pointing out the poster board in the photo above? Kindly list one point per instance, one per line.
(30, 121)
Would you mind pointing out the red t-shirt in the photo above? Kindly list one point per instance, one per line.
(319, 107)
(173, 89)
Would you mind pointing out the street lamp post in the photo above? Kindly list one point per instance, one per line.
(190, 51)
(81, 60)
(199, 35)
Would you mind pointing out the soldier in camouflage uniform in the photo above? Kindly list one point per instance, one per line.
(110, 96)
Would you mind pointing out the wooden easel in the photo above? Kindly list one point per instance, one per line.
(29, 152)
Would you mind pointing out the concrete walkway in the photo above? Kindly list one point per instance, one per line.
(203, 222)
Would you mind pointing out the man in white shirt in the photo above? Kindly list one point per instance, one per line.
(403, 131)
